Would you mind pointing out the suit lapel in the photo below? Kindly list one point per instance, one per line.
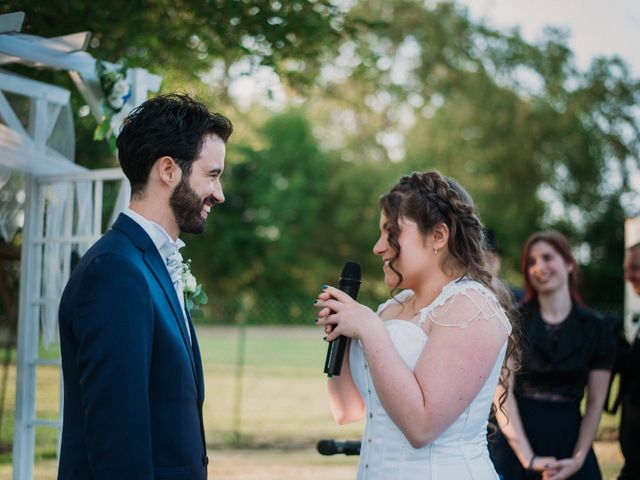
(157, 266)
(197, 359)
(199, 378)
(154, 261)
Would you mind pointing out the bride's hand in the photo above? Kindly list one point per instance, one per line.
(342, 315)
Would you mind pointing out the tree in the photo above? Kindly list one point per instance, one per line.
(197, 46)
(533, 138)
(265, 230)
(189, 36)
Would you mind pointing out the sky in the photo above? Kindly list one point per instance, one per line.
(597, 27)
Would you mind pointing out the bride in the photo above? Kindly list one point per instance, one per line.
(424, 368)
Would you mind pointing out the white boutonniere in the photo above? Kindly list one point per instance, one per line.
(193, 292)
(115, 91)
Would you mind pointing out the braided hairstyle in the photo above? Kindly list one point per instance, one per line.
(429, 199)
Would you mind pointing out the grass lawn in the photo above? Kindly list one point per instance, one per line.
(262, 420)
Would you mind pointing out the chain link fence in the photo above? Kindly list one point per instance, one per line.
(249, 309)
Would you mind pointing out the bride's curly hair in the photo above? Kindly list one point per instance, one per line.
(429, 199)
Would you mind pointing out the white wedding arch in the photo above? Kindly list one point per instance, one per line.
(57, 204)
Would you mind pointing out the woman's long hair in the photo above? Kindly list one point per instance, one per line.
(428, 199)
(560, 244)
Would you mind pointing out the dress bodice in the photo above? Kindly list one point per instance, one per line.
(460, 452)
(556, 361)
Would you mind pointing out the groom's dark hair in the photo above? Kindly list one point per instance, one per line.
(171, 125)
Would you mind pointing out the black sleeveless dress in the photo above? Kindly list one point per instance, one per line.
(556, 361)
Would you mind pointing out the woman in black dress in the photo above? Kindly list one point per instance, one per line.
(565, 347)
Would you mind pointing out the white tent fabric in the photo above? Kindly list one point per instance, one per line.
(18, 152)
(63, 201)
(84, 212)
(29, 48)
(61, 135)
(12, 200)
(53, 260)
(20, 155)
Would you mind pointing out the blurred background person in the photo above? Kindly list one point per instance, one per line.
(565, 347)
(493, 253)
(629, 364)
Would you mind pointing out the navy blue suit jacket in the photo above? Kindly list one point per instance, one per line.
(133, 384)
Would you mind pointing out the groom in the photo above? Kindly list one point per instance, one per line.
(133, 381)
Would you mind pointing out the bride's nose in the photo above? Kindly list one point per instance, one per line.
(380, 246)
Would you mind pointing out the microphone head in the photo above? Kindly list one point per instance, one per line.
(326, 447)
(351, 271)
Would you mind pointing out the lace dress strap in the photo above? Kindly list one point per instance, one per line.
(460, 303)
(401, 298)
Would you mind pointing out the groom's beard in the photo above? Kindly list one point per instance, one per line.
(187, 208)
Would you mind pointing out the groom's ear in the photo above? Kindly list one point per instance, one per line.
(168, 171)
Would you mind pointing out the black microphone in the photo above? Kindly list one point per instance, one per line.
(349, 284)
(331, 447)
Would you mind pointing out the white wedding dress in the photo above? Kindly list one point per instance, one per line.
(460, 452)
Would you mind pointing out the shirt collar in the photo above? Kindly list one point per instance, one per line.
(159, 235)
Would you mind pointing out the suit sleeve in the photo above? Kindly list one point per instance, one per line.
(113, 327)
